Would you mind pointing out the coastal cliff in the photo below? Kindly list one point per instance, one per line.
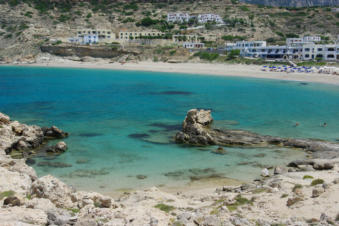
(87, 51)
(294, 195)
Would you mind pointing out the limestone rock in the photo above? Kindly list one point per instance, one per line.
(279, 170)
(323, 164)
(265, 173)
(40, 204)
(53, 189)
(60, 147)
(4, 119)
(18, 182)
(17, 165)
(54, 133)
(317, 191)
(60, 217)
(92, 198)
(22, 216)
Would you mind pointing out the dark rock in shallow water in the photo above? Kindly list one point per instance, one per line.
(54, 164)
(90, 134)
(30, 162)
(260, 155)
(141, 177)
(197, 130)
(82, 161)
(184, 93)
(193, 174)
(138, 135)
(87, 173)
(303, 83)
(219, 151)
(204, 177)
(60, 147)
(167, 127)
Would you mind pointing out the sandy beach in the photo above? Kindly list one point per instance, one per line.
(239, 70)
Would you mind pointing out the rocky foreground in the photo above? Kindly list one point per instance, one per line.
(298, 194)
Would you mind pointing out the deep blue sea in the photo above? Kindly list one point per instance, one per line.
(122, 123)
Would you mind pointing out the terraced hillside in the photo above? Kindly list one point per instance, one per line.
(25, 25)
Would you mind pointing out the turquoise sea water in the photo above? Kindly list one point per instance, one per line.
(121, 123)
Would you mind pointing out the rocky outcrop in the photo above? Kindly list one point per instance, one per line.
(51, 188)
(197, 130)
(21, 140)
(86, 51)
(54, 133)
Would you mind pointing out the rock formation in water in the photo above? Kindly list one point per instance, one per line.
(20, 140)
(197, 130)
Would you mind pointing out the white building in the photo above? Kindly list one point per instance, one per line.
(178, 17)
(193, 45)
(90, 39)
(205, 18)
(128, 35)
(90, 36)
(301, 41)
(312, 39)
(294, 50)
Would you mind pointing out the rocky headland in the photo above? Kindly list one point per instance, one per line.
(298, 194)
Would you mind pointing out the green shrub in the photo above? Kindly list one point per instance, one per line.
(207, 56)
(297, 186)
(164, 207)
(29, 14)
(317, 181)
(6, 194)
(234, 53)
(244, 8)
(89, 15)
(283, 196)
(239, 201)
(307, 177)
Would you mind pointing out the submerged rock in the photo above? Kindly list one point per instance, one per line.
(60, 147)
(82, 161)
(219, 151)
(197, 130)
(141, 177)
(54, 164)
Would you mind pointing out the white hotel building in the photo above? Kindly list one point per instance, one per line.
(294, 49)
(178, 17)
(201, 18)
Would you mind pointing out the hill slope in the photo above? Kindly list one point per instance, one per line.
(294, 3)
(26, 26)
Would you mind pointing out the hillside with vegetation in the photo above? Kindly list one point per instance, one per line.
(26, 25)
(294, 3)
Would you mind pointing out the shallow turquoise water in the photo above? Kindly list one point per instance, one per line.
(102, 108)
